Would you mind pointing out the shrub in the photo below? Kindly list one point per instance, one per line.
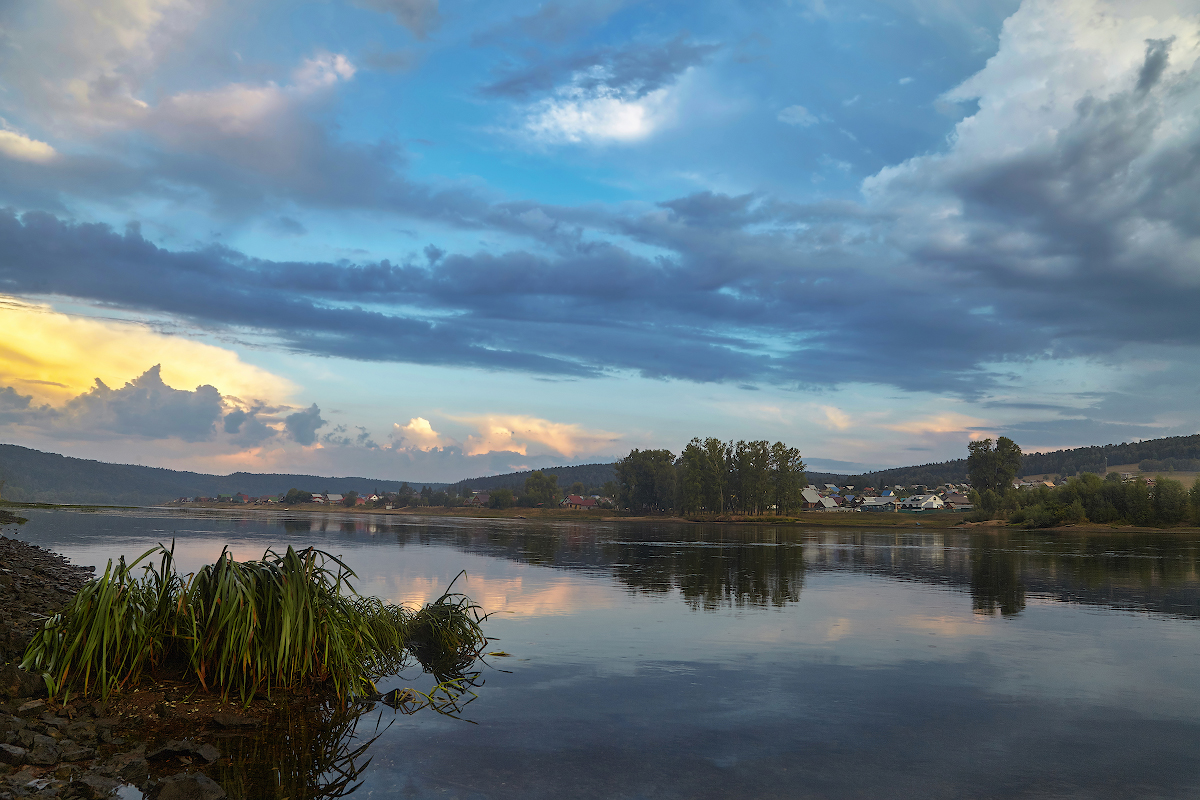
(286, 621)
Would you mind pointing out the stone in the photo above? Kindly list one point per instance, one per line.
(10, 754)
(185, 747)
(93, 787)
(32, 705)
(226, 719)
(187, 786)
(17, 683)
(71, 751)
(129, 766)
(82, 731)
(45, 754)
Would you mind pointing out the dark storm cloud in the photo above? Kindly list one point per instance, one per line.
(734, 307)
(1157, 54)
(247, 428)
(634, 69)
(144, 408)
(1073, 246)
(303, 425)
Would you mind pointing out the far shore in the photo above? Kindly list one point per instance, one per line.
(928, 520)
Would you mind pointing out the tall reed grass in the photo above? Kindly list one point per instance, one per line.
(287, 621)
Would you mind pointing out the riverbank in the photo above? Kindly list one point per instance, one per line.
(165, 739)
(926, 520)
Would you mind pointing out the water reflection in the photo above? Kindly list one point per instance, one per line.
(713, 566)
(996, 581)
(305, 754)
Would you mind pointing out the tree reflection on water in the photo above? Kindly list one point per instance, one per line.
(318, 752)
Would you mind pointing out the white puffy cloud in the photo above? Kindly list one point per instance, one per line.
(517, 433)
(419, 434)
(588, 110)
(23, 148)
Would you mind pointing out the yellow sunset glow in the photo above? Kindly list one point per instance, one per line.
(55, 356)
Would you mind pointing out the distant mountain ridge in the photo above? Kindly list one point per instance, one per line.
(1060, 462)
(32, 476)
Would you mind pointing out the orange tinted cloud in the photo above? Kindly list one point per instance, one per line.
(55, 357)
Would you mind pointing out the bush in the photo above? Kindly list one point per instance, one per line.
(287, 621)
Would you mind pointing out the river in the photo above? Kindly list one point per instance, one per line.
(670, 660)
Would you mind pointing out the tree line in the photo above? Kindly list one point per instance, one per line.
(1086, 498)
(713, 477)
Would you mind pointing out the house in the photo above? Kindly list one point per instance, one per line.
(878, 504)
(481, 498)
(829, 487)
(922, 502)
(957, 502)
(810, 498)
(333, 499)
(577, 502)
(828, 503)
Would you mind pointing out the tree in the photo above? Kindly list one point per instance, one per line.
(993, 468)
(646, 480)
(349, 499)
(787, 477)
(577, 488)
(295, 496)
(1170, 501)
(541, 489)
(500, 498)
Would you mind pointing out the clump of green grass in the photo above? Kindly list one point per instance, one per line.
(287, 621)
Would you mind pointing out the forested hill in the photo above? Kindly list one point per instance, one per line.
(32, 476)
(592, 476)
(1059, 462)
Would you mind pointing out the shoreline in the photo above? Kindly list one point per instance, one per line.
(163, 733)
(937, 520)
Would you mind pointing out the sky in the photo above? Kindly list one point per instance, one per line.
(437, 239)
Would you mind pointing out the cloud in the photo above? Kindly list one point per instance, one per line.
(516, 433)
(144, 408)
(608, 95)
(147, 408)
(598, 115)
(302, 426)
(419, 16)
(54, 356)
(22, 148)
(799, 116)
(418, 434)
(635, 70)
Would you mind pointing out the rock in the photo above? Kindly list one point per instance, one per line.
(16, 682)
(128, 766)
(10, 723)
(185, 786)
(82, 731)
(93, 787)
(32, 705)
(10, 754)
(72, 751)
(45, 754)
(185, 747)
(226, 719)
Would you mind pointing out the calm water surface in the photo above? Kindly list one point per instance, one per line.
(691, 661)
